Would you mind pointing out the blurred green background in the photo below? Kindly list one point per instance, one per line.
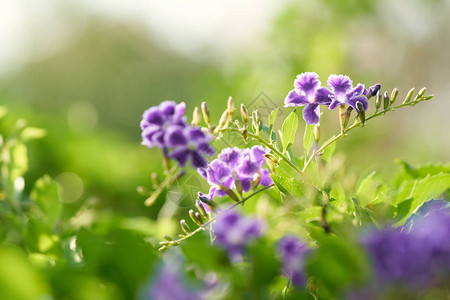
(86, 71)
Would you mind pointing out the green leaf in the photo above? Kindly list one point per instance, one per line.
(18, 279)
(308, 139)
(403, 209)
(270, 134)
(15, 158)
(337, 264)
(328, 152)
(264, 265)
(46, 194)
(288, 186)
(426, 189)
(272, 116)
(367, 189)
(288, 130)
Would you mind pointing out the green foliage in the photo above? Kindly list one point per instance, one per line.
(288, 130)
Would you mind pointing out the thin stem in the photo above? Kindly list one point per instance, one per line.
(171, 174)
(212, 220)
(356, 124)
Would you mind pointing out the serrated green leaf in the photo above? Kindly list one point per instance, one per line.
(367, 189)
(288, 130)
(308, 139)
(288, 186)
(46, 194)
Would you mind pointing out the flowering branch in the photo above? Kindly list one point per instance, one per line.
(171, 242)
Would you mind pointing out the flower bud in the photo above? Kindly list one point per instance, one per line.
(223, 122)
(255, 182)
(229, 192)
(201, 209)
(169, 238)
(255, 121)
(244, 115)
(317, 133)
(230, 107)
(378, 100)
(194, 217)
(394, 95)
(373, 90)
(196, 117)
(205, 113)
(409, 95)
(185, 226)
(385, 100)
(420, 93)
(199, 218)
(347, 115)
(361, 112)
(245, 135)
(271, 161)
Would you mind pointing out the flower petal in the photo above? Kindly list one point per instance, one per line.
(181, 156)
(311, 114)
(153, 116)
(198, 161)
(167, 107)
(175, 137)
(323, 96)
(294, 99)
(363, 99)
(356, 91)
(230, 156)
(339, 83)
(306, 83)
(265, 180)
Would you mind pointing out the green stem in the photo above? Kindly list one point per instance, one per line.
(212, 220)
(171, 174)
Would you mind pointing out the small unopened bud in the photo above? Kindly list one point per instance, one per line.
(317, 133)
(378, 100)
(185, 226)
(409, 95)
(256, 180)
(196, 117)
(347, 115)
(230, 107)
(244, 115)
(167, 237)
(361, 112)
(155, 180)
(198, 220)
(420, 93)
(245, 135)
(205, 113)
(229, 191)
(386, 102)
(394, 95)
(223, 122)
(271, 161)
(373, 90)
(201, 209)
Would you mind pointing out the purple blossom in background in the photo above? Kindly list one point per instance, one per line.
(189, 143)
(158, 119)
(293, 253)
(234, 231)
(234, 164)
(343, 92)
(308, 93)
(416, 254)
(169, 285)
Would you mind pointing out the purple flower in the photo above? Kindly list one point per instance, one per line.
(293, 253)
(188, 143)
(169, 285)
(235, 165)
(373, 90)
(233, 232)
(343, 92)
(399, 257)
(158, 119)
(308, 93)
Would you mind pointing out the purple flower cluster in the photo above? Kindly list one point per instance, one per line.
(413, 256)
(309, 93)
(234, 231)
(236, 167)
(164, 126)
(293, 253)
